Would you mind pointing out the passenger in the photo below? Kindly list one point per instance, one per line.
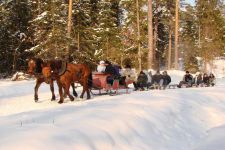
(101, 67)
(187, 80)
(130, 75)
(150, 77)
(142, 81)
(166, 79)
(157, 80)
(205, 79)
(113, 74)
(212, 79)
(199, 79)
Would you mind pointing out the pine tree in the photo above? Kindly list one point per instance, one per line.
(211, 29)
(15, 34)
(50, 25)
(189, 38)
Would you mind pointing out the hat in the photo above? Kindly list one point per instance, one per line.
(107, 62)
(102, 62)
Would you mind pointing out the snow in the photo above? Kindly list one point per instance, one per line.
(173, 119)
(41, 16)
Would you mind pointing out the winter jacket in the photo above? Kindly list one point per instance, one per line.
(101, 68)
(206, 79)
(211, 78)
(142, 78)
(166, 79)
(188, 78)
(156, 78)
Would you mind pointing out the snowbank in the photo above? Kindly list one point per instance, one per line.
(149, 120)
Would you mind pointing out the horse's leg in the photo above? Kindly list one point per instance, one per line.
(64, 93)
(60, 92)
(74, 92)
(38, 83)
(82, 93)
(52, 90)
(67, 91)
(86, 88)
(88, 93)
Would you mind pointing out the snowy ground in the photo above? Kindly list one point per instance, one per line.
(173, 119)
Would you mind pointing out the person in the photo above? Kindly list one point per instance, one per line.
(199, 79)
(150, 77)
(142, 80)
(166, 79)
(187, 79)
(130, 75)
(109, 69)
(157, 80)
(211, 79)
(101, 67)
(205, 79)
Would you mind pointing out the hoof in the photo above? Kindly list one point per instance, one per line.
(53, 98)
(60, 102)
(36, 99)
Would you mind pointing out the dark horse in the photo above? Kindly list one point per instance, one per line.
(79, 73)
(35, 68)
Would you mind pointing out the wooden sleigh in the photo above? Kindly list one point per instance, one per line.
(99, 83)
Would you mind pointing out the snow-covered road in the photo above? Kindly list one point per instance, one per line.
(180, 119)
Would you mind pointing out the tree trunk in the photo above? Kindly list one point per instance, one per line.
(176, 34)
(69, 25)
(150, 36)
(155, 60)
(170, 49)
(138, 36)
(39, 7)
(107, 47)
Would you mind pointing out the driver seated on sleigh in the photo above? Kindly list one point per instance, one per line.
(112, 71)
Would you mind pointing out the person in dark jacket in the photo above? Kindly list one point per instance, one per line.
(109, 69)
(142, 80)
(212, 79)
(199, 79)
(206, 79)
(166, 79)
(113, 71)
(157, 80)
(187, 80)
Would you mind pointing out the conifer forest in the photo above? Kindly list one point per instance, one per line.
(145, 33)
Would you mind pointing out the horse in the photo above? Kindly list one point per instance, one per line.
(35, 68)
(79, 73)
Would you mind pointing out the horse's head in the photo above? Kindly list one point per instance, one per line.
(31, 66)
(47, 72)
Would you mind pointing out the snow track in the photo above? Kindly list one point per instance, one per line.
(173, 119)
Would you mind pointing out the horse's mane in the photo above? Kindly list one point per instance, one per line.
(39, 62)
(56, 64)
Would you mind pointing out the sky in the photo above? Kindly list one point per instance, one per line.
(192, 2)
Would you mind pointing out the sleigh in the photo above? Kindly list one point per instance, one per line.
(99, 83)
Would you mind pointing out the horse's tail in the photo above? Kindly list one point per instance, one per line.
(90, 80)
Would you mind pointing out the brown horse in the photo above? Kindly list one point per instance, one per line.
(79, 73)
(35, 68)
